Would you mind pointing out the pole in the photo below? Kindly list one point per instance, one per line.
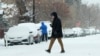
(33, 10)
(5, 41)
(89, 18)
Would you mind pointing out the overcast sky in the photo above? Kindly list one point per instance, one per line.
(91, 2)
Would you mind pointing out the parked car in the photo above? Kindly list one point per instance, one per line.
(86, 32)
(34, 27)
(97, 31)
(90, 31)
(78, 31)
(68, 32)
(20, 34)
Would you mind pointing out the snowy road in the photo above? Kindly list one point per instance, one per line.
(82, 46)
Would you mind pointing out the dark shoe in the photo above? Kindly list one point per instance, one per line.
(62, 51)
(48, 51)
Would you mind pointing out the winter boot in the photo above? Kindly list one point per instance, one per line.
(62, 51)
(48, 51)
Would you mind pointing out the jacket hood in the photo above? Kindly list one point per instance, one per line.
(54, 14)
(42, 23)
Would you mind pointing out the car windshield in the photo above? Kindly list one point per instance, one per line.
(18, 30)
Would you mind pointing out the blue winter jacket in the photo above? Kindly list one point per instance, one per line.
(43, 28)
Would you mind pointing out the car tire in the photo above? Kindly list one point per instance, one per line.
(30, 41)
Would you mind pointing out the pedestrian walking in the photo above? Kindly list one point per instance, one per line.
(56, 32)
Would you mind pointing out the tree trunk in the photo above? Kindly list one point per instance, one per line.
(21, 6)
(22, 10)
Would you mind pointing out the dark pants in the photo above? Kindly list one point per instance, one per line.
(44, 37)
(52, 42)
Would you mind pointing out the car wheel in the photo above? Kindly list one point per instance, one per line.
(6, 42)
(30, 41)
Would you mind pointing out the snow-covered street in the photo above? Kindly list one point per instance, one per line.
(80, 46)
(26, 26)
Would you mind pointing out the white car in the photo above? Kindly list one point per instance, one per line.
(86, 31)
(78, 31)
(90, 31)
(68, 32)
(20, 34)
(97, 31)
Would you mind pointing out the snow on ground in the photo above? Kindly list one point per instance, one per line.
(80, 46)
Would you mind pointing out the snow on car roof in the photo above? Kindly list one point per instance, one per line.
(77, 29)
(20, 31)
(30, 25)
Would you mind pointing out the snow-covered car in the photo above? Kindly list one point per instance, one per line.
(86, 32)
(97, 31)
(20, 34)
(92, 30)
(68, 32)
(34, 27)
(78, 31)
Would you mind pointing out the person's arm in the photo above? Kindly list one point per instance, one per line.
(40, 27)
(56, 26)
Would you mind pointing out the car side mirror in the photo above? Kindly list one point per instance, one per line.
(31, 32)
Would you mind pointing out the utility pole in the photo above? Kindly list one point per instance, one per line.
(89, 16)
(33, 10)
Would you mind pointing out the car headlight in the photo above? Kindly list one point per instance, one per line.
(19, 37)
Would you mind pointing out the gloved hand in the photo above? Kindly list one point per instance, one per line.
(51, 25)
(55, 33)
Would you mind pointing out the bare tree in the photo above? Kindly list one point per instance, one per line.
(22, 10)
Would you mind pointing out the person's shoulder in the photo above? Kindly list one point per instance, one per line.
(59, 20)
